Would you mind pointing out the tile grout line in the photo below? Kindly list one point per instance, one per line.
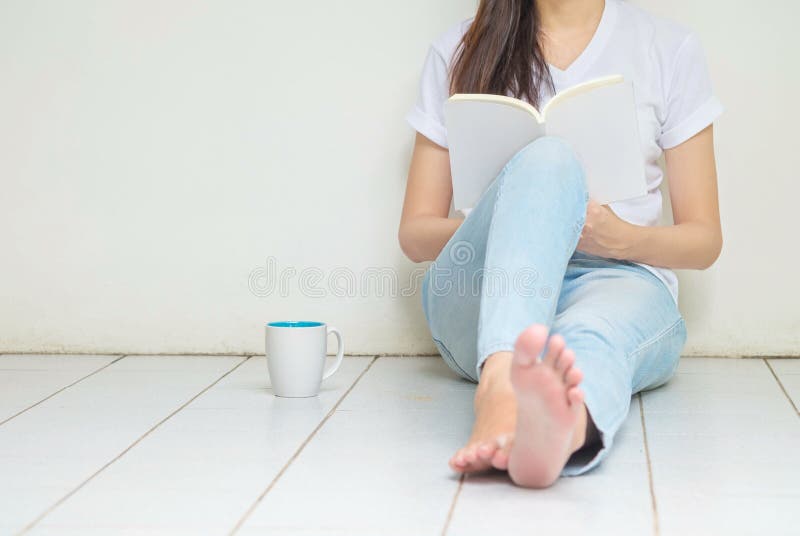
(780, 384)
(653, 502)
(299, 450)
(127, 449)
(453, 504)
(48, 397)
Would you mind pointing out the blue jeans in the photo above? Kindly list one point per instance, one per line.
(513, 262)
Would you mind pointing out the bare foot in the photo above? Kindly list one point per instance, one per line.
(495, 419)
(551, 416)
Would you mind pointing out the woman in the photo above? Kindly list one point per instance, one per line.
(556, 362)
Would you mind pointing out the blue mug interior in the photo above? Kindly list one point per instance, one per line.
(295, 324)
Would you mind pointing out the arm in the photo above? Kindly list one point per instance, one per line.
(424, 225)
(695, 238)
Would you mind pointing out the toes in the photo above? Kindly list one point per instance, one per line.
(480, 456)
(555, 346)
(470, 456)
(529, 345)
(575, 396)
(457, 462)
(500, 458)
(486, 451)
(565, 361)
(573, 377)
(473, 459)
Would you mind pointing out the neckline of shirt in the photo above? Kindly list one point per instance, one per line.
(589, 54)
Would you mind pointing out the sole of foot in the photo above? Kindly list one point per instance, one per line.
(551, 415)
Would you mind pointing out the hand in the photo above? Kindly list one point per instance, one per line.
(604, 234)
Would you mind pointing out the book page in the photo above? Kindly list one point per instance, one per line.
(482, 137)
(583, 87)
(601, 125)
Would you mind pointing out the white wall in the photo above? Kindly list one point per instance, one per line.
(155, 154)
(747, 304)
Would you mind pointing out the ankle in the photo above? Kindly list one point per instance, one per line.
(578, 440)
(495, 379)
(496, 371)
(497, 364)
(581, 435)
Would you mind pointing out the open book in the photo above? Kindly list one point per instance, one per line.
(598, 118)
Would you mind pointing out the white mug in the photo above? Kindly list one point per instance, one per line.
(296, 356)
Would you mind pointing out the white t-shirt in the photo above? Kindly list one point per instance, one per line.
(665, 61)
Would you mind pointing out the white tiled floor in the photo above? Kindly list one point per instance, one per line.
(199, 445)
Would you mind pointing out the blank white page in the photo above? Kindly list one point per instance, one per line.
(601, 125)
(483, 136)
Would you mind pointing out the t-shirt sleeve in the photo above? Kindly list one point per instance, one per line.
(689, 97)
(427, 115)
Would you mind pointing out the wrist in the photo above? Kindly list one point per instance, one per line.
(632, 237)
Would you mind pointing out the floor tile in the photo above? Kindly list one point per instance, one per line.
(52, 448)
(788, 372)
(785, 366)
(720, 435)
(791, 383)
(211, 461)
(613, 498)
(705, 365)
(379, 465)
(28, 379)
(710, 396)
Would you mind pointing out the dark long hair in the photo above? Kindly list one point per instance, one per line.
(501, 53)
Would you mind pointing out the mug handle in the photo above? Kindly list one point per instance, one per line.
(339, 354)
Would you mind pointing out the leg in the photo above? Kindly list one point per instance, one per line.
(553, 422)
(503, 268)
(502, 271)
(627, 334)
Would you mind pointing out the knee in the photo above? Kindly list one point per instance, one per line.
(653, 371)
(548, 165)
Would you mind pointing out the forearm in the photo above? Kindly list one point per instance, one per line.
(692, 245)
(423, 237)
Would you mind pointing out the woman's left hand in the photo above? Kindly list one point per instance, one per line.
(604, 234)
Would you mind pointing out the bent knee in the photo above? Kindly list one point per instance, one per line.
(548, 165)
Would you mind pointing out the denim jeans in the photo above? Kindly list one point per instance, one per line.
(513, 262)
